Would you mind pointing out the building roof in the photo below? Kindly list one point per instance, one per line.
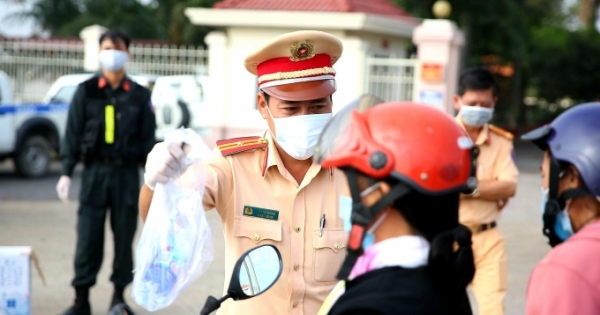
(379, 7)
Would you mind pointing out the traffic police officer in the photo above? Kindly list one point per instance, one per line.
(111, 126)
(497, 181)
(266, 188)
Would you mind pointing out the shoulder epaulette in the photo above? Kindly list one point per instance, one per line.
(237, 145)
(501, 132)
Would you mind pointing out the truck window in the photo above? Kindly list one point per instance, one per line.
(64, 95)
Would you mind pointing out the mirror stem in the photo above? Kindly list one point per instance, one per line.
(212, 304)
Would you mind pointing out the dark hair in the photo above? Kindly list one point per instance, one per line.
(267, 97)
(450, 262)
(476, 79)
(115, 35)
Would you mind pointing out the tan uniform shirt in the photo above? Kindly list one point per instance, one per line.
(310, 262)
(495, 162)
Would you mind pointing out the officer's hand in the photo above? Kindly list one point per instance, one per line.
(166, 160)
(62, 188)
(502, 203)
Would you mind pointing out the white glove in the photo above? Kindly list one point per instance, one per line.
(62, 188)
(166, 160)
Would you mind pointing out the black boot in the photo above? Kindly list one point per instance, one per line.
(118, 305)
(82, 302)
(117, 296)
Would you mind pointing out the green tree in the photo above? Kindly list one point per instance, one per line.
(160, 19)
(498, 35)
(177, 27)
(129, 16)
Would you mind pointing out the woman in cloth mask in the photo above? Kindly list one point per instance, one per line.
(406, 165)
(567, 280)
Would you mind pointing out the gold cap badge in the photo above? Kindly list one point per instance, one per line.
(302, 51)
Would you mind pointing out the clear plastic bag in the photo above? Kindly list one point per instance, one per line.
(176, 245)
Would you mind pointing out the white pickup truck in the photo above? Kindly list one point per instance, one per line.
(30, 132)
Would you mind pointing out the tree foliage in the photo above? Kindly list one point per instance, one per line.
(550, 57)
(160, 19)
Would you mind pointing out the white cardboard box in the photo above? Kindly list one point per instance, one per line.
(15, 279)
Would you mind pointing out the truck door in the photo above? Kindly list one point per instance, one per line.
(7, 128)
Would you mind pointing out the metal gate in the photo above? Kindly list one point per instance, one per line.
(34, 65)
(391, 78)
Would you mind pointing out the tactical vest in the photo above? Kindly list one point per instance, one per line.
(112, 127)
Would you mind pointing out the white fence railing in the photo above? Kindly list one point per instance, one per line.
(167, 60)
(33, 65)
(391, 79)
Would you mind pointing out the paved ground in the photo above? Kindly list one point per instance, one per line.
(30, 214)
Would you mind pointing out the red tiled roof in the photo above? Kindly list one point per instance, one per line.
(380, 7)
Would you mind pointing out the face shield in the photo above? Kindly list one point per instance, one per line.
(337, 127)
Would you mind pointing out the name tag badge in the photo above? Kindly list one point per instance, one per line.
(250, 211)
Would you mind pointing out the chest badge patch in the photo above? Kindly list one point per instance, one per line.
(263, 213)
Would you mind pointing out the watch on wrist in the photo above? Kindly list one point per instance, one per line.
(475, 193)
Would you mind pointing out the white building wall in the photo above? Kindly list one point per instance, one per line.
(234, 88)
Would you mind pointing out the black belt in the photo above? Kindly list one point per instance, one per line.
(481, 227)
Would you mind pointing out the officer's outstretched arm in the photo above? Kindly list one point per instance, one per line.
(166, 160)
(212, 177)
(145, 199)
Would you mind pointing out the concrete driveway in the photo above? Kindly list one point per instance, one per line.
(30, 214)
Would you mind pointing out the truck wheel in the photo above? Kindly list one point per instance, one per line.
(185, 114)
(33, 157)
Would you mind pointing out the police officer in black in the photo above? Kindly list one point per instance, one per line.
(111, 128)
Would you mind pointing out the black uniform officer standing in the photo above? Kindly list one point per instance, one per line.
(111, 126)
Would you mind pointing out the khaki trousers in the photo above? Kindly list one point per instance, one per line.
(490, 282)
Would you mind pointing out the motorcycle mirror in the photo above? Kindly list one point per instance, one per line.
(254, 273)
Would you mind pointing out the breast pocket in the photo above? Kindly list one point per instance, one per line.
(257, 230)
(329, 254)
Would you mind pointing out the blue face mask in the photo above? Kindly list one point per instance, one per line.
(562, 223)
(562, 226)
(345, 212)
(369, 239)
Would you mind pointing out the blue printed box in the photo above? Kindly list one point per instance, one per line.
(15, 280)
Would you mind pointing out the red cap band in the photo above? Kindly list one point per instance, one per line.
(284, 64)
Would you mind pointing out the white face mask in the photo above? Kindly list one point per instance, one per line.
(298, 135)
(113, 60)
(475, 116)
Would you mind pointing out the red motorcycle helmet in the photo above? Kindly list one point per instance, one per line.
(413, 143)
(416, 146)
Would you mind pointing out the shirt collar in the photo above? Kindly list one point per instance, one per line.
(484, 134)
(125, 84)
(414, 249)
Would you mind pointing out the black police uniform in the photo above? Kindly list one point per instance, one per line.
(397, 290)
(113, 132)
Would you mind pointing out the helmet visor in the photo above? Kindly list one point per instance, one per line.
(338, 125)
(538, 136)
